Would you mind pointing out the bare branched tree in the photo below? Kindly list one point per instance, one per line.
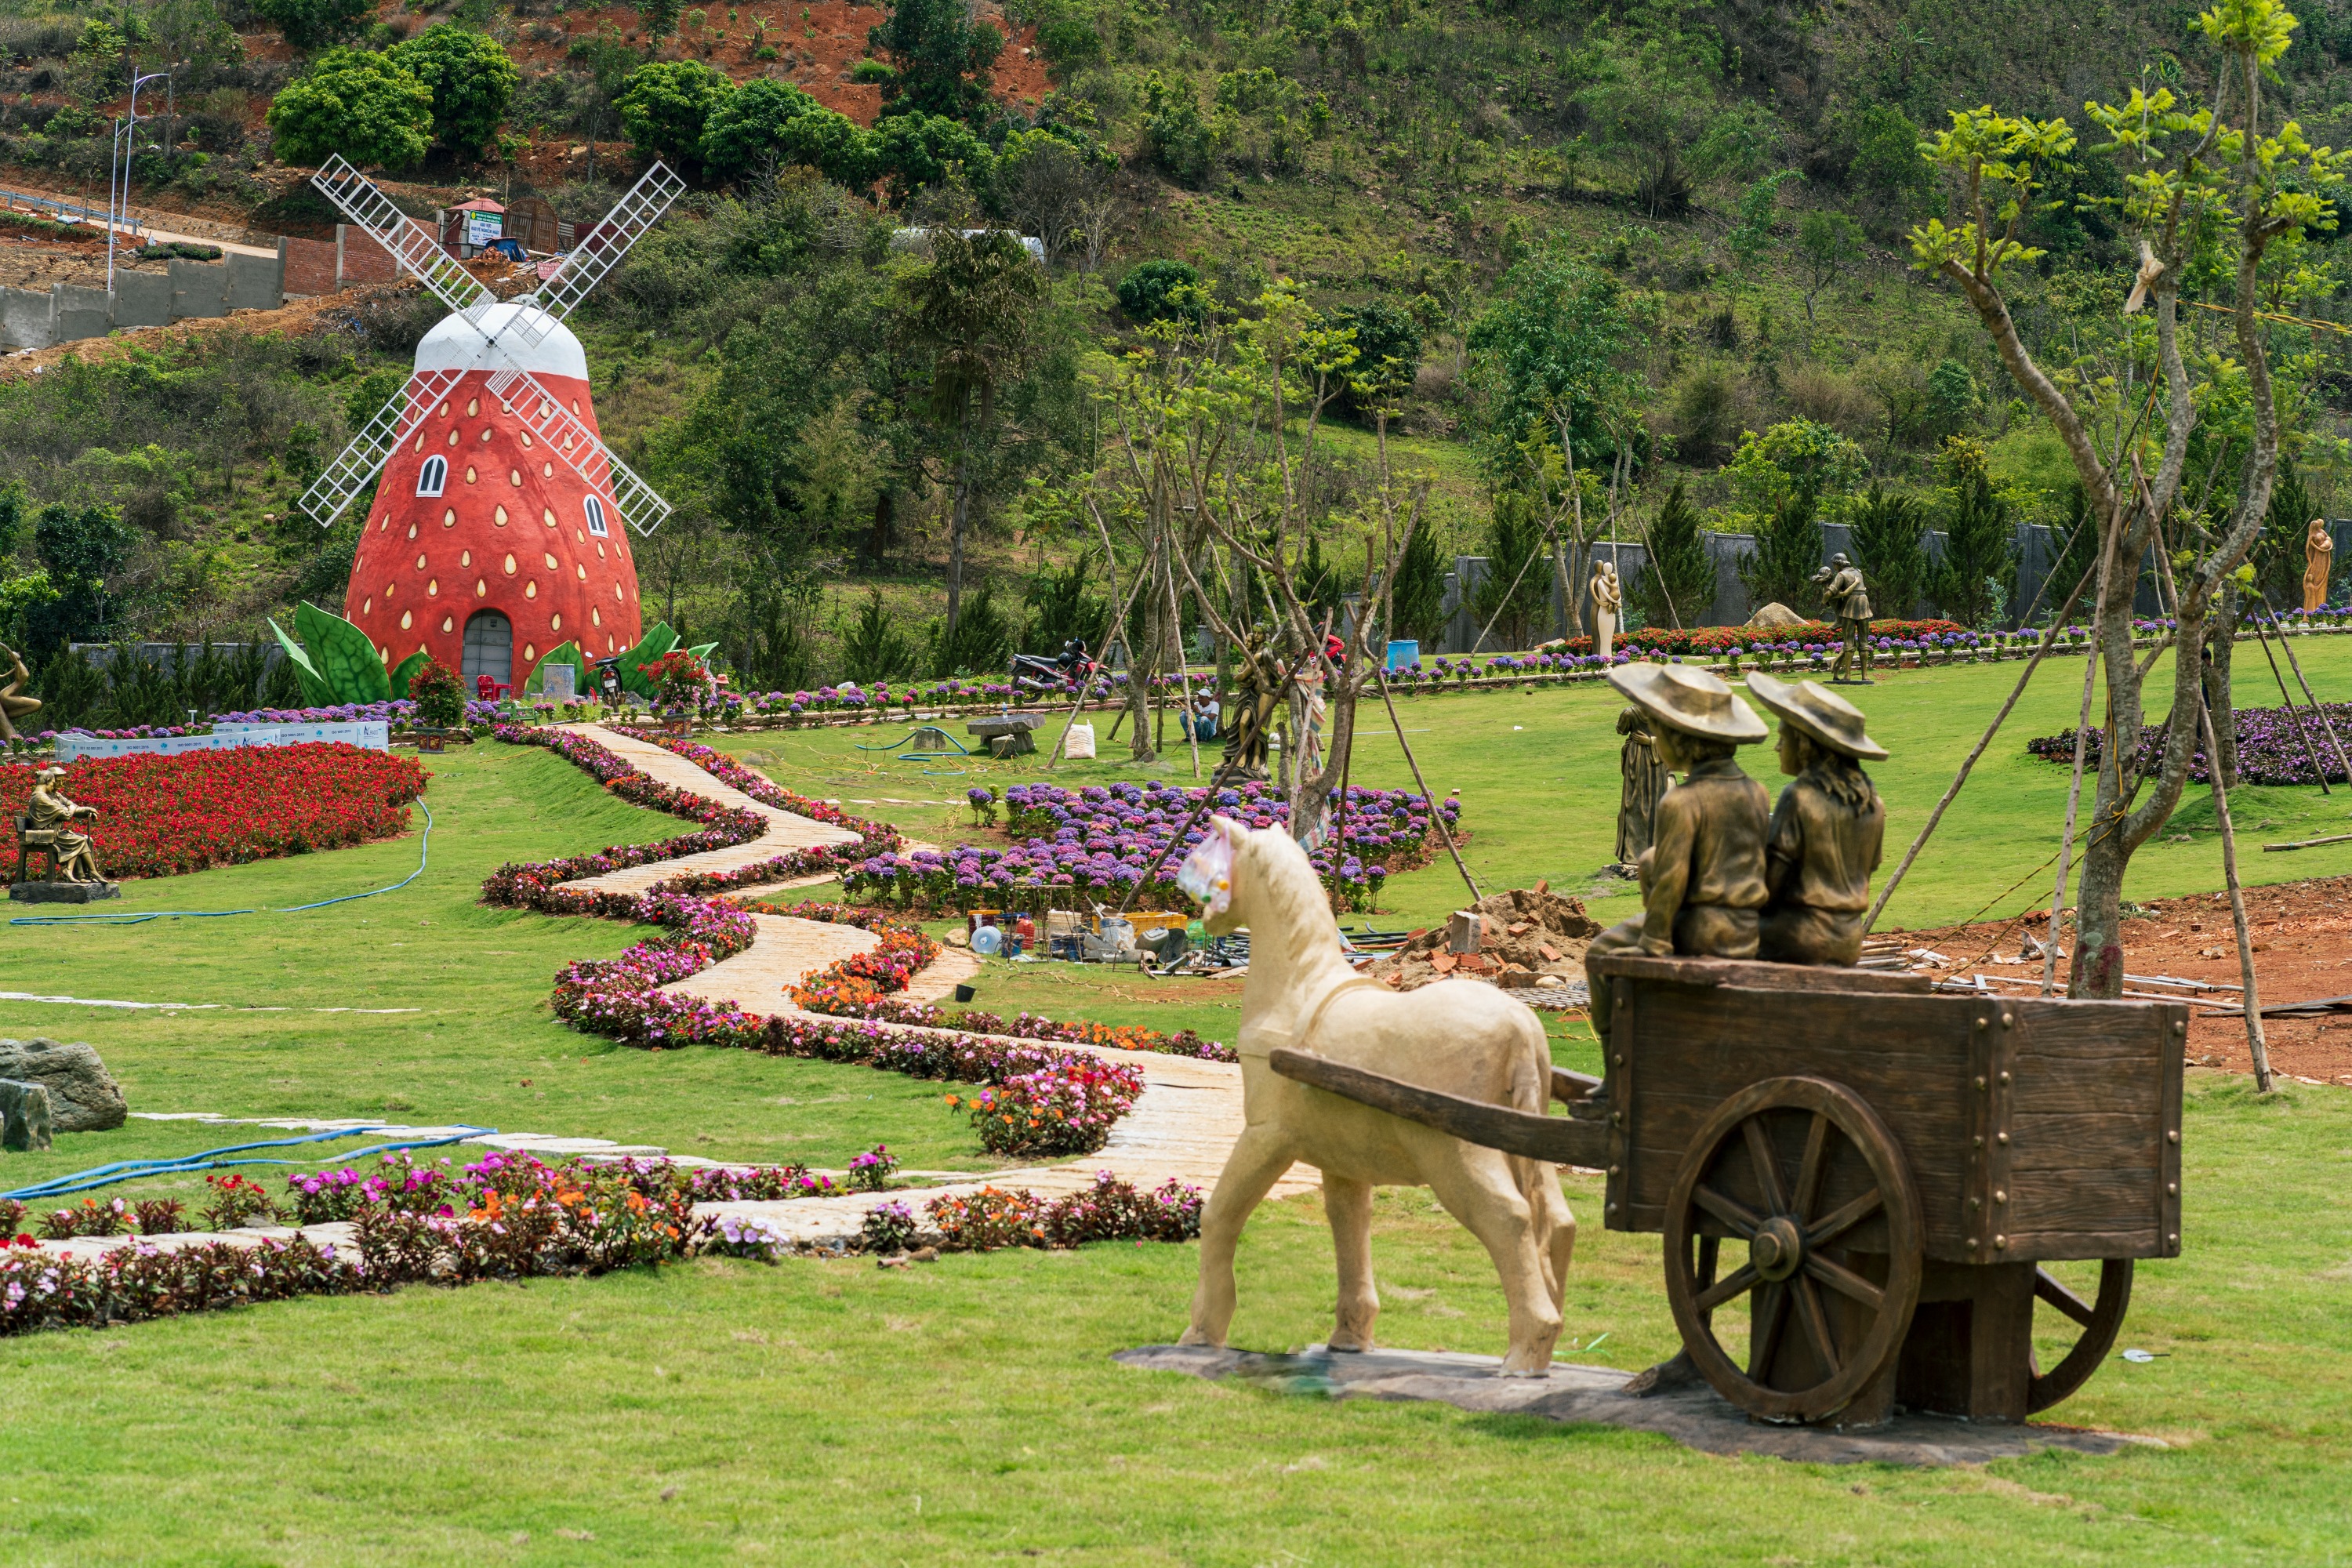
(2207, 189)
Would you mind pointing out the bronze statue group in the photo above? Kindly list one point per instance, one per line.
(1720, 877)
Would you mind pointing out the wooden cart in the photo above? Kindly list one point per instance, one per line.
(1899, 1165)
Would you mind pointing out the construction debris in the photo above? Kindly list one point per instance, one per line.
(1524, 936)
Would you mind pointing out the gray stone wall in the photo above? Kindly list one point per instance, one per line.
(31, 319)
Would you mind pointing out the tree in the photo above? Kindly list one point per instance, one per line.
(873, 647)
(1889, 533)
(1979, 566)
(1828, 245)
(912, 150)
(81, 548)
(1794, 456)
(1419, 610)
(471, 80)
(1787, 553)
(2204, 186)
(939, 57)
(1162, 291)
(315, 24)
(969, 312)
(666, 106)
(660, 18)
(1677, 589)
(1388, 349)
(1545, 355)
(1886, 167)
(753, 124)
(363, 106)
(1515, 595)
(1060, 608)
(1047, 183)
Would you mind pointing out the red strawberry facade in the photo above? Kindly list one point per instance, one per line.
(485, 548)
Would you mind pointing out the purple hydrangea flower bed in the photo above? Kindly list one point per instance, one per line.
(2269, 751)
(1071, 846)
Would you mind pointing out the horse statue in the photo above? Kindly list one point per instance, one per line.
(1457, 1037)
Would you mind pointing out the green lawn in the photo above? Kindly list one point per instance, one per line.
(967, 1412)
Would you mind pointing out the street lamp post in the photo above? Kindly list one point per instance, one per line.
(118, 182)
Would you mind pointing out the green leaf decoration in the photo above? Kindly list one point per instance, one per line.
(702, 651)
(568, 653)
(316, 692)
(407, 672)
(344, 654)
(658, 641)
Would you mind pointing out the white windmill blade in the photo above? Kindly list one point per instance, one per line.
(599, 250)
(363, 459)
(546, 417)
(417, 252)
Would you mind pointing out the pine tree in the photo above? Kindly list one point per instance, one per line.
(1516, 592)
(1678, 587)
(1972, 586)
(1418, 609)
(1787, 553)
(1890, 545)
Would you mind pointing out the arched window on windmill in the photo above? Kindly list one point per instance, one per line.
(432, 477)
(597, 524)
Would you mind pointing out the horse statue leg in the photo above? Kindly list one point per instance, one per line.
(1259, 1158)
(1348, 1206)
(1477, 1189)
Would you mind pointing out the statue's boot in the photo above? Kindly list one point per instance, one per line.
(1670, 1376)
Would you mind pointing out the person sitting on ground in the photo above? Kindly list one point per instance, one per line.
(1827, 830)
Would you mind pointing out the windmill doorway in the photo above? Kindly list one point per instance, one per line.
(490, 648)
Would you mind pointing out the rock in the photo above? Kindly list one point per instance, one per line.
(1775, 614)
(83, 1096)
(23, 1116)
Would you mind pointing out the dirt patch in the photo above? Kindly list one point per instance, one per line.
(2302, 935)
(298, 318)
(1523, 934)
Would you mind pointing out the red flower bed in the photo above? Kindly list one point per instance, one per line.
(158, 817)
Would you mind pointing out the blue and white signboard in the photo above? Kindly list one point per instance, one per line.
(374, 734)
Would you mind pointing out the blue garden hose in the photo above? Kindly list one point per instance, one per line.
(133, 918)
(121, 1171)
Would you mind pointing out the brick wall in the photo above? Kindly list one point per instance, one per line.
(366, 261)
(310, 265)
(329, 267)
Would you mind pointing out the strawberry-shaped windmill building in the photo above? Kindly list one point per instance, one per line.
(493, 540)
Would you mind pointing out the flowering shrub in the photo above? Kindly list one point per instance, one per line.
(133, 1283)
(113, 1217)
(237, 1200)
(888, 1228)
(1075, 846)
(159, 816)
(750, 1235)
(1111, 1210)
(438, 695)
(870, 1172)
(2270, 750)
(1066, 1108)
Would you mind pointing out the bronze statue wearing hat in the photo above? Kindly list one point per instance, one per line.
(1827, 830)
(1703, 875)
(1846, 599)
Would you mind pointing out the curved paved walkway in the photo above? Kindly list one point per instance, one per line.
(1183, 1125)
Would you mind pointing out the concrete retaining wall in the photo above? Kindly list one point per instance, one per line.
(31, 319)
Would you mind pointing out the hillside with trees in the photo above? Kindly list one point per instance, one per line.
(1332, 293)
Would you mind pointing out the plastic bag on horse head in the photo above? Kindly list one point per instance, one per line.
(1207, 873)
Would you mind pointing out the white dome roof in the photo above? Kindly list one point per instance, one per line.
(457, 344)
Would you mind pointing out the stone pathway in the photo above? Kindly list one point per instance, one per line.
(1180, 1128)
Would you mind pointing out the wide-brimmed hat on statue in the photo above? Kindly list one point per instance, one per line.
(52, 771)
(1689, 699)
(1818, 712)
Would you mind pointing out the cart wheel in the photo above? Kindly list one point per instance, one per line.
(1786, 1236)
(2100, 1322)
